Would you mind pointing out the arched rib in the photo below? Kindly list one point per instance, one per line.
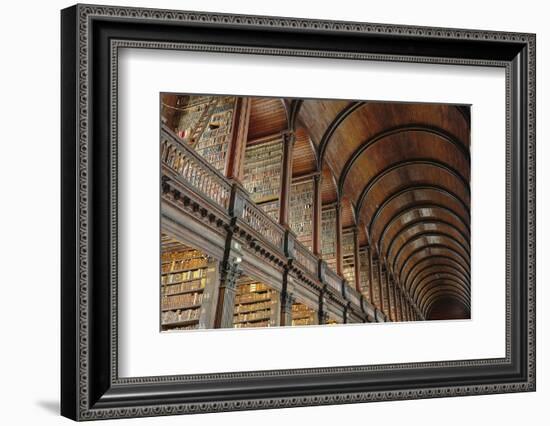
(339, 119)
(414, 188)
(406, 163)
(439, 258)
(424, 128)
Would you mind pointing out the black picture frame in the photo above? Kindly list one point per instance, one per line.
(90, 386)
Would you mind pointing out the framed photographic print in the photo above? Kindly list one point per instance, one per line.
(263, 212)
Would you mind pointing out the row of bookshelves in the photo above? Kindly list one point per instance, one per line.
(174, 255)
(183, 281)
(254, 304)
(303, 315)
(348, 258)
(190, 115)
(181, 276)
(183, 287)
(364, 276)
(213, 137)
(301, 212)
(328, 236)
(181, 301)
(265, 323)
(262, 170)
(186, 268)
(178, 317)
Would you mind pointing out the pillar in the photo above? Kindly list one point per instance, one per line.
(357, 262)
(239, 135)
(378, 265)
(391, 299)
(317, 208)
(287, 299)
(286, 180)
(371, 284)
(230, 272)
(339, 257)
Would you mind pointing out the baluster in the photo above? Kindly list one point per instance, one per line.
(183, 160)
(163, 150)
(199, 180)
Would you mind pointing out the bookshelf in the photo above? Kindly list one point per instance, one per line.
(364, 274)
(328, 236)
(301, 212)
(375, 284)
(262, 175)
(331, 320)
(184, 273)
(303, 315)
(191, 110)
(256, 305)
(348, 257)
(385, 295)
(213, 133)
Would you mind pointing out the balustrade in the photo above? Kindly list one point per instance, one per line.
(254, 217)
(192, 170)
(305, 258)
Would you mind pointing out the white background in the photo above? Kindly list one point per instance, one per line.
(140, 343)
(29, 168)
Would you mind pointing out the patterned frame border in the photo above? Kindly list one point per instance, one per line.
(87, 12)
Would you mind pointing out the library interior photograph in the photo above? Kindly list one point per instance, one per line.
(297, 212)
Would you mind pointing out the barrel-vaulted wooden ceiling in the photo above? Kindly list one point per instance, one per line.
(402, 174)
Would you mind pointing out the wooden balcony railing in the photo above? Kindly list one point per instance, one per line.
(306, 258)
(193, 170)
(260, 222)
(333, 280)
(352, 295)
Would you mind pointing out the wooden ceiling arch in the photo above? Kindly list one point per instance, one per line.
(395, 173)
(413, 213)
(438, 257)
(425, 252)
(422, 228)
(385, 137)
(428, 283)
(428, 237)
(443, 261)
(435, 268)
(406, 198)
(442, 290)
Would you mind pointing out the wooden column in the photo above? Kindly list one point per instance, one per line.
(391, 299)
(388, 292)
(317, 209)
(230, 268)
(401, 316)
(234, 167)
(401, 304)
(395, 304)
(380, 284)
(286, 308)
(339, 257)
(357, 263)
(404, 300)
(322, 315)
(286, 178)
(230, 272)
(371, 284)
(396, 296)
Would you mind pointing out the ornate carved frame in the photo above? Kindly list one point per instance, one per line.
(91, 388)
